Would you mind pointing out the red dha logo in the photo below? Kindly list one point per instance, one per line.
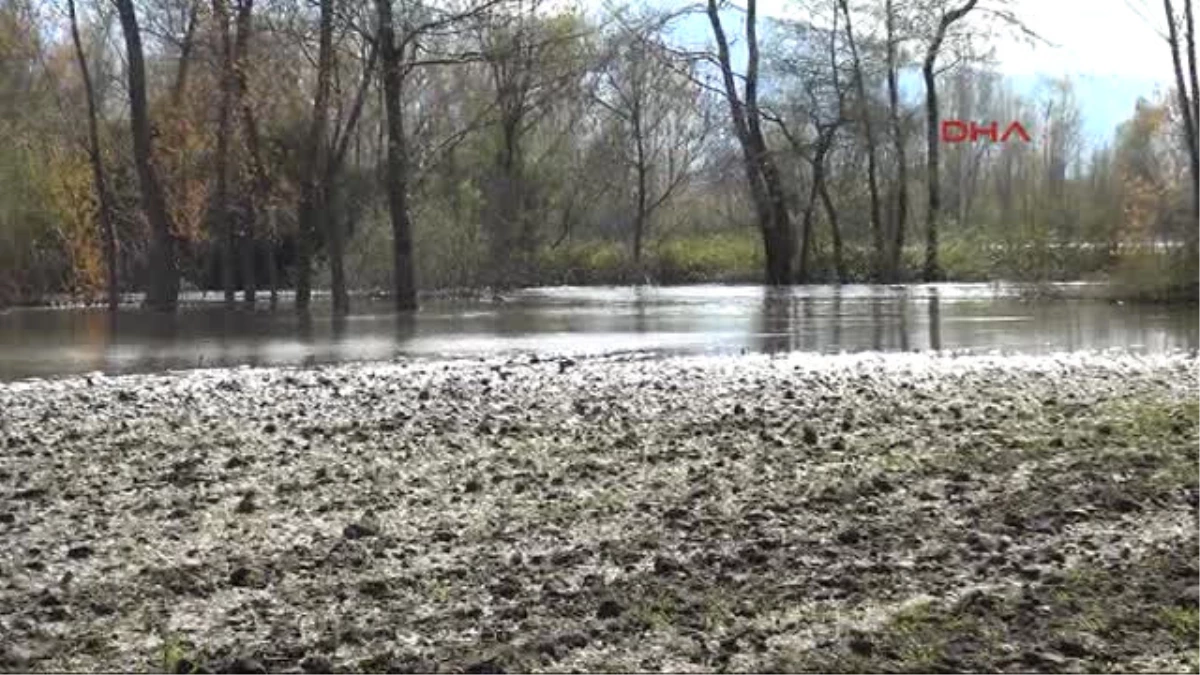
(958, 131)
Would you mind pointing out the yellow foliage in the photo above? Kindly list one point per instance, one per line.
(179, 149)
(72, 203)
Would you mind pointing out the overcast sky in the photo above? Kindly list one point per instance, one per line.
(1096, 37)
(1111, 48)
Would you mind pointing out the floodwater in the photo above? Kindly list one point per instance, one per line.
(589, 320)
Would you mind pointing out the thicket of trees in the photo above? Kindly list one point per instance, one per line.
(157, 145)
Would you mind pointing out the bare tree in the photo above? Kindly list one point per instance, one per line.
(312, 210)
(864, 116)
(220, 214)
(532, 65)
(932, 271)
(99, 182)
(900, 216)
(163, 288)
(399, 56)
(404, 287)
(766, 186)
(260, 180)
(1187, 101)
(186, 44)
(825, 113)
(655, 107)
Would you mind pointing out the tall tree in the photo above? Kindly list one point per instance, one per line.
(260, 182)
(655, 106)
(162, 291)
(313, 200)
(404, 286)
(932, 271)
(220, 214)
(864, 116)
(1188, 101)
(766, 186)
(533, 61)
(99, 182)
(900, 215)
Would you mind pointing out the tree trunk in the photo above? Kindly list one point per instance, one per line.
(806, 233)
(404, 287)
(260, 182)
(1186, 102)
(1190, 32)
(781, 273)
(639, 222)
(104, 207)
(220, 214)
(766, 188)
(835, 232)
(185, 55)
(825, 138)
(312, 191)
(305, 231)
(872, 164)
(900, 218)
(272, 263)
(932, 270)
(336, 231)
(336, 240)
(162, 292)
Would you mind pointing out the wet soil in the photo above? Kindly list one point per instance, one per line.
(857, 513)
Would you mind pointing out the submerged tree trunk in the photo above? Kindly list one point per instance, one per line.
(99, 183)
(404, 291)
(162, 291)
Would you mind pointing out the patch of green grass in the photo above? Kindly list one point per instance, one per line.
(717, 612)
(1150, 276)
(721, 256)
(1182, 622)
(179, 656)
(1161, 418)
(439, 591)
(921, 636)
(659, 611)
(586, 263)
(1154, 436)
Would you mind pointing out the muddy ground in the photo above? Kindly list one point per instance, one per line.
(748, 513)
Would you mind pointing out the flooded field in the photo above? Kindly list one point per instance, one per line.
(593, 320)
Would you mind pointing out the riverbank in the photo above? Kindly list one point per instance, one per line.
(855, 513)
